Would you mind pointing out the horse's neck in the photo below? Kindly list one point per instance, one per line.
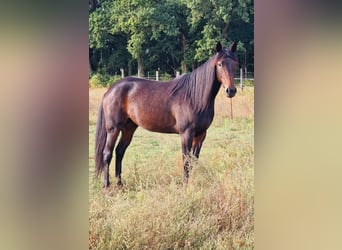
(208, 83)
(199, 87)
(215, 88)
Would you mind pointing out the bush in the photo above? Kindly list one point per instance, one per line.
(165, 77)
(95, 81)
(102, 80)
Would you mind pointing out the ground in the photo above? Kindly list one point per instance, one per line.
(155, 211)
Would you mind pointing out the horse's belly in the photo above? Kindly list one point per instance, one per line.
(158, 126)
(153, 119)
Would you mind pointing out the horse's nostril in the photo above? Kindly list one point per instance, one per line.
(230, 92)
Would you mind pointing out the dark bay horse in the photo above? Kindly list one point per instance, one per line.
(184, 106)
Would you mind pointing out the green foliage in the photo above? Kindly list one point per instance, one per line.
(102, 80)
(99, 26)
(165, 76)
(171, 35)
(95, 81)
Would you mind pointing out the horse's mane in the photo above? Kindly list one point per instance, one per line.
(196, 87)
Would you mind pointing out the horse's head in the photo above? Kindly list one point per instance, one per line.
(226, 64)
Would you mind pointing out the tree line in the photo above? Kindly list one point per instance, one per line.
(169, 35)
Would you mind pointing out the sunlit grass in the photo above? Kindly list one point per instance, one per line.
(155, 211)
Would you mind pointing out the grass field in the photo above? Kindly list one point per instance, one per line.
(154, 211)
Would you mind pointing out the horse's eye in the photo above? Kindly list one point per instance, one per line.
(219, 64)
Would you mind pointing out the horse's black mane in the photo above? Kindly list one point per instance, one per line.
(197, 86)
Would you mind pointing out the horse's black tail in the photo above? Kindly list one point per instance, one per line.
(100, 141)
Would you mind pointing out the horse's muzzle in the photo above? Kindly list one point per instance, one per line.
(230, 92)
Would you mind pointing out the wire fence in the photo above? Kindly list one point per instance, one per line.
(164, 77)
(242, 78)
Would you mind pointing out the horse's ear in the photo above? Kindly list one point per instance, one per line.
(218, 47)
(233, 47)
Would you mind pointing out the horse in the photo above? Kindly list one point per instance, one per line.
(184, 105)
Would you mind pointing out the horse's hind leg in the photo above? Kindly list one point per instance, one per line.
(126, 138)
(108, 153)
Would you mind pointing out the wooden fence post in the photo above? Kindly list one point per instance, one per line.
(241, 79)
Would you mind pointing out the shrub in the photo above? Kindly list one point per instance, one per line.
(165, 77)
(95, 81)
(102, 80)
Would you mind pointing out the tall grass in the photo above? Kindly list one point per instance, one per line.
(155, 211)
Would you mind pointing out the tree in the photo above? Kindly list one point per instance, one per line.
(213, 18)
(146, 22)
(171, 35)
(107, 51)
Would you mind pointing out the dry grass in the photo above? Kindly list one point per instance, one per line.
(154, 211)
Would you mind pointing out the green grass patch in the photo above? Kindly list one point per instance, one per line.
(155, 211)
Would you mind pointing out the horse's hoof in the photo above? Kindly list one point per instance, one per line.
(105, 190)
(185, 181)
(119, 184)
(105, 187)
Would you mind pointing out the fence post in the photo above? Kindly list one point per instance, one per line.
(122, 73)
(139, 73)
(246, 73)
(157, 75)
(177, 74)
(241, 79)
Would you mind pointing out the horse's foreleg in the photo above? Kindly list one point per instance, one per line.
(197, 143)
(125, 140)
(186, 138)
(108, 153)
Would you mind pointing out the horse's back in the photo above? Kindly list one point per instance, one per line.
(144, 102)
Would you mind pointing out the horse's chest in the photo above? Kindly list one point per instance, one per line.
(203, 121)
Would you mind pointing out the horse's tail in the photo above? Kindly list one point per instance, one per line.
(100, 141)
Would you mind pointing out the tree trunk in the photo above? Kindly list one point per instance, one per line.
(129, 67)
(140, 66)
(183, 67)
(225, 31)
(183, 44)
